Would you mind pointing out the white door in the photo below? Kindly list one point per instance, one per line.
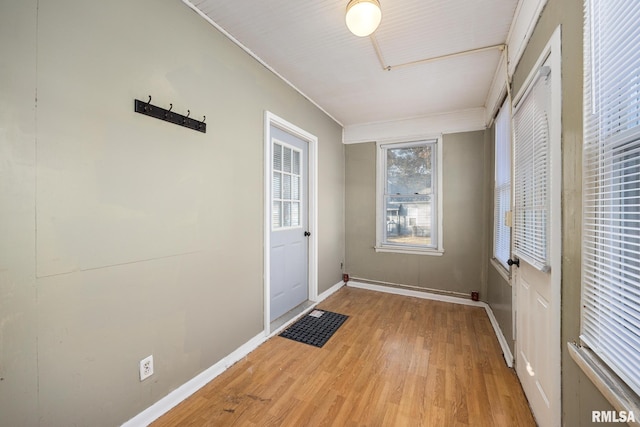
(536, 251)
(533, 355)
(289, 248)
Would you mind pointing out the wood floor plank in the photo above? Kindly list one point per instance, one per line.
(396, 361)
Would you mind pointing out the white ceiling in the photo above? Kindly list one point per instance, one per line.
(308, 43)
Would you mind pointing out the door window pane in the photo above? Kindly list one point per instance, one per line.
(277, 185)
(286, 214)
(531, 175)
(295, 188)
(276, 216)
(296, 163)
(295, 214)
(286, 164)
(286, 186)
(277, 157)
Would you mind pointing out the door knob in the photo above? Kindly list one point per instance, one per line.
(515, 262)
(307, 234)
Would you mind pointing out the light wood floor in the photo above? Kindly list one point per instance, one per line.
(397, 361)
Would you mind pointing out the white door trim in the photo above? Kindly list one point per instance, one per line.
(271, 119)
(552, 51)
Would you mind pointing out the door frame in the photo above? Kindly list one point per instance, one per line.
(271, 119)
(553, 53)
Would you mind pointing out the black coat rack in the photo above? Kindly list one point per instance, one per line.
(169, 116)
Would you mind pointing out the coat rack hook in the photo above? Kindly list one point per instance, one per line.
(168, 115)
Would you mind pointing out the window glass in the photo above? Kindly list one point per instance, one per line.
(408, 201)
(502, 188)
(286, 192)
(611, 188)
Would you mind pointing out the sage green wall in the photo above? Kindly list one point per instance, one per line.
(579, 395)
(461, 268)
(18, 292)
(125, 236)
(499, 298)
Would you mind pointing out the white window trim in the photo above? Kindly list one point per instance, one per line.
(302, 213)
(616, 392)
(380, 186)
(269, 120)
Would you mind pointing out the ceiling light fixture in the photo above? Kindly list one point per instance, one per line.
(363, 16)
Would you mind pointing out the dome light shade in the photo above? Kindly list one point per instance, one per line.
(363, 16)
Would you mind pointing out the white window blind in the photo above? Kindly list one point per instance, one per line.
(502, 189)
(531, 173)
(611, 187)
(286, 187)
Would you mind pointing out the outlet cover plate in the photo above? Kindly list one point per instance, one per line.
(146, 367)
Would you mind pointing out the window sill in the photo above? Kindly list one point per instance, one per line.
(621, 397)
(500, 268)
(408, 250)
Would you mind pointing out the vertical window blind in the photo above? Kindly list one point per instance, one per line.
(531, 173)
(611, 187)
(502, 189)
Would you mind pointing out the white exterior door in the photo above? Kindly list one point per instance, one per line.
(536, 241)
(533, 353)
(289, 248)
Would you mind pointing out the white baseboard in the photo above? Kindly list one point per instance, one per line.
(506, 351)
(171, 400)
(332, 290)
(417, 294)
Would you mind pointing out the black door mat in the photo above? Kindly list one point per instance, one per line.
(315, 328)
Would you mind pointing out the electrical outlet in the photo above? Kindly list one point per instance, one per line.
(146, 368)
